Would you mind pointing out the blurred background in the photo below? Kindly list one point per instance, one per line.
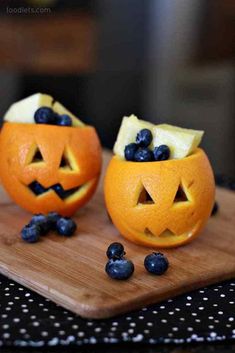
(164, 60)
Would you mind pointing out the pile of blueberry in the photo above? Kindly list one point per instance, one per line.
(140, 152)
(46, 115)
(40, 225)
(118, 267)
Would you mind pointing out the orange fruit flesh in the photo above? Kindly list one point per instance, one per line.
(180, 197)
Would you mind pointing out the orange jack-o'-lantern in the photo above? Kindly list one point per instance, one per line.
(160, 204)
(49, 168)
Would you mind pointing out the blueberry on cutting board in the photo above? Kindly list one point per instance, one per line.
(31, 233)
(156, 263)
(52, 218)
(119, 268)
(42, 222)
(66, 226)
(115, 250)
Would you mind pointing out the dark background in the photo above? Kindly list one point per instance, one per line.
(164, 60)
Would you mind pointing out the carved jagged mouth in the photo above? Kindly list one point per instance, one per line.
(165, 234)
(39, 189)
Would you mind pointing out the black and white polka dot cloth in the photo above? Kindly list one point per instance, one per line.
(27, 319)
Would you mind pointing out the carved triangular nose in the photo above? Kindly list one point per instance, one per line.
(34, 155)
(180, 195)
(68, 161)
(37, 156)
(145, 198)
(64, 163)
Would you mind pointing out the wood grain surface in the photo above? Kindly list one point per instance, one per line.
(70, 271)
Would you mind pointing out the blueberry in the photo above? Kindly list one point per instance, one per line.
(161, 153)
(31, 233)
(44, 115)
(143, 155)
(52, 218)
(63, 120)
(144, 138)
(59, 190)
(37, 188)
(129, 151)
(215, 209)
(115, 250)
(156, 263)
(66, 226)
(42, 222)
(119, 268)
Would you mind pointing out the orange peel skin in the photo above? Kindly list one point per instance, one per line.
(49, 155)
(160, 204)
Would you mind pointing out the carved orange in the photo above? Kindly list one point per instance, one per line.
(50, 157)
(160, 204)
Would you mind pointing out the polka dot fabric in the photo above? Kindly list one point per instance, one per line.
(29, 320)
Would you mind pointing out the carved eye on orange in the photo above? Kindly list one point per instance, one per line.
(45, 167)
(160, 204)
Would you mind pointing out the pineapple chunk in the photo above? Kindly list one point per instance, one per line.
(23, 111)
(129, 128)
(182, 142)
(60, 109)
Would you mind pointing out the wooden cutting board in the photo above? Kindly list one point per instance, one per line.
(70, 271)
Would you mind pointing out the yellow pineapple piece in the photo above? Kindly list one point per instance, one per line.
(60, 109)
(23, 110)
(182, 142)
(129, 128)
